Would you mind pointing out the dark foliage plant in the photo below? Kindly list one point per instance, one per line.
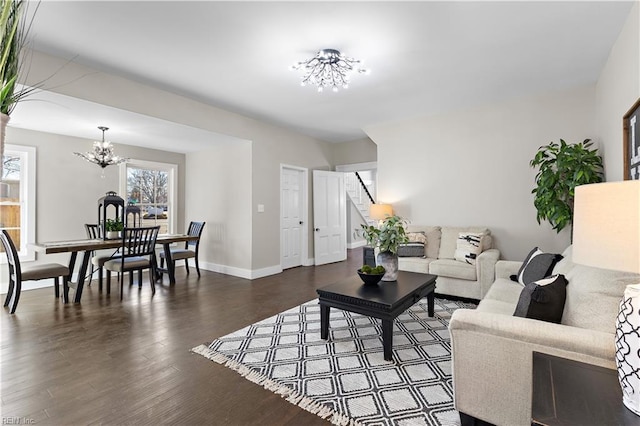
(562, 167)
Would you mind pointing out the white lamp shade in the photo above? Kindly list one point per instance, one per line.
(380, 211)
(606, 225)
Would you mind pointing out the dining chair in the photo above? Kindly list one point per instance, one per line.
(195, 229)
(19, 273)
(136, 254)
(97, 260)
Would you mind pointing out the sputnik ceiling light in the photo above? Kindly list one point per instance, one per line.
(102, 153)
(329, 68)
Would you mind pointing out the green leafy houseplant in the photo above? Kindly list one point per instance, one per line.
(388, 236)
(562, 167)
(113, 225)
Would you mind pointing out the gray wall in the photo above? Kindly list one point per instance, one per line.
(471, 167)
(219, 193)
(617, 90)
(353, 152)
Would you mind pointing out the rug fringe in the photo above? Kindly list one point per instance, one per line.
(285, 392)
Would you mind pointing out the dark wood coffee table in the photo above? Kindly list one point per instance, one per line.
(384, 301)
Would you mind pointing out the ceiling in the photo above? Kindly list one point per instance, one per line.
(425, 57)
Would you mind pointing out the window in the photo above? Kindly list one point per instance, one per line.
(18, 198)
(150, 186)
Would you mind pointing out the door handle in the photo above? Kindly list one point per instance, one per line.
(300, 222)
(317, 229)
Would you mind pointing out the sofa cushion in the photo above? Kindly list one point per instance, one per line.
(453, 269)
(543, 299)
(449, 239)
(496, 306)
(414, 264)
(468, 247)
(536, 265)
(433, 238)
(504, 290)
(593, 297)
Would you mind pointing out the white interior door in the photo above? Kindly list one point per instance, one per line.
(292, 183)
(329, 217)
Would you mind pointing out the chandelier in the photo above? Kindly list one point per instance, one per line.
(102, 153)
(329, 68)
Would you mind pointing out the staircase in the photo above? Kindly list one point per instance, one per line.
(360, 194)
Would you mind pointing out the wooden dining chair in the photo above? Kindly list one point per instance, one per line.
(19, 273)
(195, 229)
(136, 254)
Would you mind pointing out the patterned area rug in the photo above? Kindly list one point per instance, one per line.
(346, 380)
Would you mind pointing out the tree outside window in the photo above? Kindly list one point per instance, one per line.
(149, 190)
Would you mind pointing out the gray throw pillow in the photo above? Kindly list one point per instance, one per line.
(543, 300)
(411, 249)
(536, 265)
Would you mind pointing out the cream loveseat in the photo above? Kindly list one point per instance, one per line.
(455, 278)
(492, 349)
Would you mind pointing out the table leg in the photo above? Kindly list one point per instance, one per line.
(72, 265)
(430, 299)
(324, 321)
(387, 338)
(81, 275)
(171, 267)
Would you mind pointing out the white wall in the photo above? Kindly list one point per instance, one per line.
(219, 182)
(617, 89)
(68, 188)
(471, 167)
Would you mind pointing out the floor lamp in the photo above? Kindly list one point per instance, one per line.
(606, 234)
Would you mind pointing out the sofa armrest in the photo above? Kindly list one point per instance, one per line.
(485, 269)
(494, 351)
(506, 268)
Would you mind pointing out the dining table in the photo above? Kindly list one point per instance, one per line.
(88, 246)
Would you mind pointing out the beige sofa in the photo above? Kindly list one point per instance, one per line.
(455, 278)
(492, 349)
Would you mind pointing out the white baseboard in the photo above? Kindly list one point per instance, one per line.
(356, 244)
(248, 274)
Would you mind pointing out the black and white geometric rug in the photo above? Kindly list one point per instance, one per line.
(345, 379)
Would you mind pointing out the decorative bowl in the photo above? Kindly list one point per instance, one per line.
(370, 279)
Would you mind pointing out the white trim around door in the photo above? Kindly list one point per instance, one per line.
(294, 253)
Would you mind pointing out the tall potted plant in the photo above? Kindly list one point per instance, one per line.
(13, 31)
(562, 167)
(386, 239)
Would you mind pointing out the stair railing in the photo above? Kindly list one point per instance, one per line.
(365, 188)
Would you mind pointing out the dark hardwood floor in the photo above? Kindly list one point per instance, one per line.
(110, 362)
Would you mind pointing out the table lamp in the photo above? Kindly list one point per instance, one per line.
(606, 234)
(380, 212)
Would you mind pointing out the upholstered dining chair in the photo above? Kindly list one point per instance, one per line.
(195, 229)
(136, 254)
(19, 273)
